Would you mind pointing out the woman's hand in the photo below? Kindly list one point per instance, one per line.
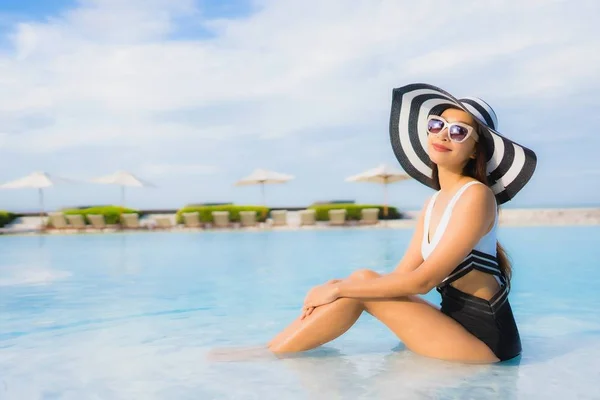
(306, 311)
(320, 295)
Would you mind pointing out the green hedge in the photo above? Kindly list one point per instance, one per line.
(6, 218)
(352, 211)
(111, 213)
(234, 212)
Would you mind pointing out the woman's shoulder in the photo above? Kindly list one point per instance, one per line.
(479, 189)
(479, 195)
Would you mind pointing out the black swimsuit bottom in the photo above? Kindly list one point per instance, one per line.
(491, 323)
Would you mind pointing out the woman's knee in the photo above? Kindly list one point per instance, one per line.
(363, 275)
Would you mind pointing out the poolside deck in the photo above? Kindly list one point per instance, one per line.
(508, 217)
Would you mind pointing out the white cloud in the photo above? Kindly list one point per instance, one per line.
(104, 70)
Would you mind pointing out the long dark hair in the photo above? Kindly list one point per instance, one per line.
(477, 169)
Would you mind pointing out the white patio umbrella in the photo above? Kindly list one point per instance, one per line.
(382, 174)
(36, 180)
(122, 179)
(264, 177)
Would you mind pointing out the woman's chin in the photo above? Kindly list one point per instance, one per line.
(441, 160)
(445, 162)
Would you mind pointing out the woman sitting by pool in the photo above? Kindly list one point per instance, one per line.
(452, 146)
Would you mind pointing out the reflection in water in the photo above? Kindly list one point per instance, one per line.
(41, 239)
(403, 374)
(327, 372)
(32, 267)
(399, 375)
(123, 256)
(543, 349)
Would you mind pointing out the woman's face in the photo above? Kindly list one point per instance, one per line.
(447, 153)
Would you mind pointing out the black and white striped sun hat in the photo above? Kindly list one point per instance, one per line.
(510, 165)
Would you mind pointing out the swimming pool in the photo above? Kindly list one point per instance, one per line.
(122, 316)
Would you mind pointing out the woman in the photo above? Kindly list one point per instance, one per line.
(452, 146)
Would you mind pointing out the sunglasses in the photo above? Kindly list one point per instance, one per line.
(458, 132)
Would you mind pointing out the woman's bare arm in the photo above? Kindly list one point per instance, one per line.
(471, 218)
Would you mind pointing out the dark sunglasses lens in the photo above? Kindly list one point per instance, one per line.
(458, 133)
(435, 125)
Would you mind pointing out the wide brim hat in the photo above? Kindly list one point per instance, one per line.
(510, 165)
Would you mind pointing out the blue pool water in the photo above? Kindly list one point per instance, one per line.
(133, 316)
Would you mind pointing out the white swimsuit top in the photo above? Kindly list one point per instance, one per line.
(482, 258)
(486, 245)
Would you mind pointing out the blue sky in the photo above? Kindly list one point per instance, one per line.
(193, 95)
(35, 8)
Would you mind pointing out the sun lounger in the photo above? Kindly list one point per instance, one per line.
(97, 221)
(76, 221)
(57, 221)
(369, 216)
(163, 223)
(279, 217)
(221, 219)
(248, 218)
(192, 220)
(130, 221)
(337, 217)
(308, 217)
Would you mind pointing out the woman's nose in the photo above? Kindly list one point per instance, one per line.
(443, 135)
